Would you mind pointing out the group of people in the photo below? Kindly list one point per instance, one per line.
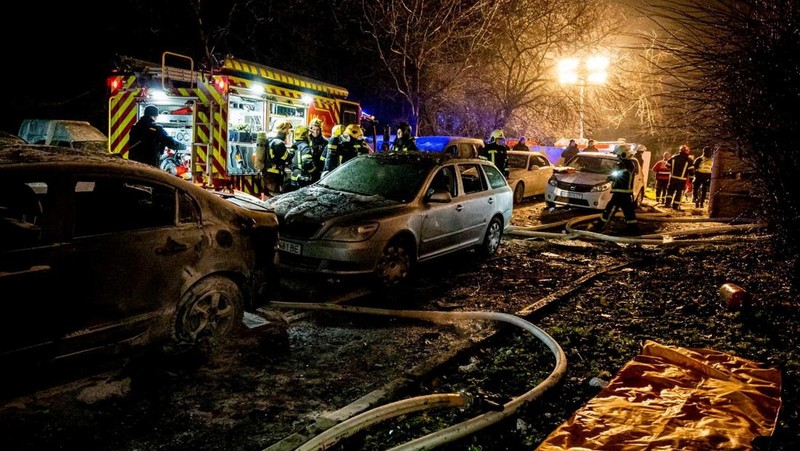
(676, 173)
(290, 157)
(286, 167)
(572, 149)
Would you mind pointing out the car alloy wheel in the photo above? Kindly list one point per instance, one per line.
(491, 242)
(394, 265)
(211, 309)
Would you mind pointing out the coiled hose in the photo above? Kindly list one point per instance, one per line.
(349, 427)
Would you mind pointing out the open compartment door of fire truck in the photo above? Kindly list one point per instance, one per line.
(219, 113)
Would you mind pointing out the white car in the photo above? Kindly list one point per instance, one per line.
(583, 182)
(528, 173)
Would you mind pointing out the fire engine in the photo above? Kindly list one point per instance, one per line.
(218, 113)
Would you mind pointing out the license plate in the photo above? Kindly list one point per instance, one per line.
(574, 195)
(288, 246)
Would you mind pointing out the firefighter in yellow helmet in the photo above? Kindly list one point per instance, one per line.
(277, 158)
(331, 148)
(303, 167)
(497, 151)
(350, 144)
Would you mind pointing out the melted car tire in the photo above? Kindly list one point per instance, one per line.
(519, 193)
(492, 238)
(394, 264)
(209, 311)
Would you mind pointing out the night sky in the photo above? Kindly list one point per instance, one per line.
(57, 67)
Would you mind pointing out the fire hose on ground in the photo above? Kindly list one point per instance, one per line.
(459, 400)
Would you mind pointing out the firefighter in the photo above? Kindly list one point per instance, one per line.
(404, 141)
(661, 170)
(350, 145)
(621, 179)
(702, 176)
(680, 167)
(303, 168)
(149, 139)
(497, 152)
(278, 158)
(332, 148)
(318, 143)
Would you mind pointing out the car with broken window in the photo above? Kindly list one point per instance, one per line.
(584, 181)
(528, 173)
(99, 254)
(382, 214)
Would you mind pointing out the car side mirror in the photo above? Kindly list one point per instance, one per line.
(440, 196)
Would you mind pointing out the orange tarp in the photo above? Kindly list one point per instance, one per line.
(676, 398)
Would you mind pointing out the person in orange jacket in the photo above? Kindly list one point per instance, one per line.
(661, 170)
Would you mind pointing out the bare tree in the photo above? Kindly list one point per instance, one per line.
(519, 72)
(427, 46)
(733, 68)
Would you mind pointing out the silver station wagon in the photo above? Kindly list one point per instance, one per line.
(383, 213)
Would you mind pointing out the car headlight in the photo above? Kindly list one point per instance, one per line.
(552, 181)
(602, 187)
(356, 232)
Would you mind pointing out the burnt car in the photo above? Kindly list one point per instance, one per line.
(98, 253)
(380, 214)
(10, 138)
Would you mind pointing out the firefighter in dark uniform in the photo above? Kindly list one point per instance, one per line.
(274, 172)
(702, 176)
(621, 179)
(404, 142)
(318, 143)
(497, 152)
(680, 168)
(303, 168)
(350, 145)
(331, 148)
(148, 139)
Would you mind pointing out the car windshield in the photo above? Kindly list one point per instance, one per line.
(517, 161)
(593, 164)
(393, 179)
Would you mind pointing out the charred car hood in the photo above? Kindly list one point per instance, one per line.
(316, 204)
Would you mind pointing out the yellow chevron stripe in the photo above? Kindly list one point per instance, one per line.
(285, 77)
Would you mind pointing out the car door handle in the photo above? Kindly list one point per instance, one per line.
(172, 247)
(459, 207)
(491, 200)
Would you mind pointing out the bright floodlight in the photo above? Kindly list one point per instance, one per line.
(597, 66)
(568, 71)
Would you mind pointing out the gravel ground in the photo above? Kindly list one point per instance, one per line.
(272, 382)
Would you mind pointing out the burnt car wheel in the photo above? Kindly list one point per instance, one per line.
(210, 310)
(394, 265)
(519, 193)
(491, 242)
